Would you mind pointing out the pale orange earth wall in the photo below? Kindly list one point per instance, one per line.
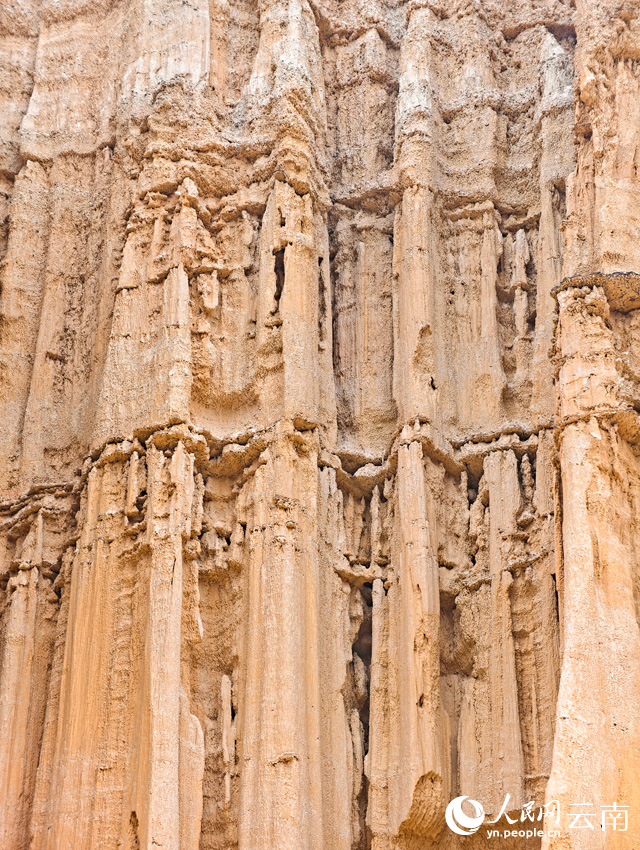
(319, 392)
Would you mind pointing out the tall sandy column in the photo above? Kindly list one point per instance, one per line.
(597, 744)
(409, 769)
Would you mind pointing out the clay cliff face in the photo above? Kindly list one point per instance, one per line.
(320, 457)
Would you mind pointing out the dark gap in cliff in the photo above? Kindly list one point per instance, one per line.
(563, 29)
(362, 647)
(533, 460)
(556, 595)
(140, 504)
(279, 272)
(133, 842)
(322, 301)
(472, 556)
(559, 202)
(339, 303)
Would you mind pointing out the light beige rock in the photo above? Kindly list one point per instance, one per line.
(319, 331)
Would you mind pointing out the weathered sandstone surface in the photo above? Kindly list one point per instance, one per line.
(320, 455)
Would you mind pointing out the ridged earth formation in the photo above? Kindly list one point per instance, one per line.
(320, 456)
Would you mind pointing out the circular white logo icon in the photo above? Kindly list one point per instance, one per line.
(456, 818)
